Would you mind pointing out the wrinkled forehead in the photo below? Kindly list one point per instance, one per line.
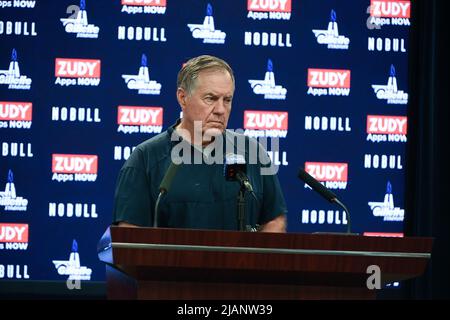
(215, 80)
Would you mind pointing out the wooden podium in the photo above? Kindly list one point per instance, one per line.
(159, 263)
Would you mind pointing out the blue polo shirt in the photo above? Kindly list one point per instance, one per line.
(200, 197)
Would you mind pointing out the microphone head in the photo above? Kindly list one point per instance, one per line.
(234, 163)
(316, 185)
(168, 178)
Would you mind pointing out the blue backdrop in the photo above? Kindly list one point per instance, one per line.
(67, 68)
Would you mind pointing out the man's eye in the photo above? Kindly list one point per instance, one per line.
(209, 100)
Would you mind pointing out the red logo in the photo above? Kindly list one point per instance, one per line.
(269, 5)
(140, 116)
(13, 232)
(328, 78)
(390, 9)
(327, 171)
(386, 125)
(159, 3)
(74, 163)
(77, 68)
(265, 120)
(19, 111)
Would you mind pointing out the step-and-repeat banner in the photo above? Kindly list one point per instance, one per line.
(83, 82)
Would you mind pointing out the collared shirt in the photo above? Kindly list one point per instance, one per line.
(199, 197)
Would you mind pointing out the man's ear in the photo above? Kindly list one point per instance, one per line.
(181, 97)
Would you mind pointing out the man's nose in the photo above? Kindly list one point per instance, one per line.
(220, 107)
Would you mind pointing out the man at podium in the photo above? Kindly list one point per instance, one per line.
(197, 174)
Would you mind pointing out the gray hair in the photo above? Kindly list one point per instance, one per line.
(187, 76)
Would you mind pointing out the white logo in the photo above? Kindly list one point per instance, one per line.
(123, 152)
(14, 271)
(12, 76)
(73, 267)
(9, 198)
(327, 123)
(332, 217)
(207, 30)
(267, 87)
(390, 91)
(141, 33)
(142, 82)
(386, 44)
(76, 114)
(69, 210)
(278, 158)
(18, 28)
(383, 161)
(78, 23)
(265, 39)
(331, 36)
(386, 209)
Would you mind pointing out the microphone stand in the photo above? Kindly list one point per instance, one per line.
(241, 207)
(245, 185)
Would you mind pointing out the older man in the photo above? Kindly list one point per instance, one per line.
(200, 196)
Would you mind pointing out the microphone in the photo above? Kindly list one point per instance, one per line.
(235, 168)
(324, 192)
(164, 188)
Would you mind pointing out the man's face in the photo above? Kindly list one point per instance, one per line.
(209, 102)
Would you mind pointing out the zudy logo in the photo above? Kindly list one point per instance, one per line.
(15, 115)
(144, 6)
(386, 128)
(265, 123)
(333, 175)
(333, 82)
(269, 9)
(74, 167)
(132, 119)
(81, 72)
